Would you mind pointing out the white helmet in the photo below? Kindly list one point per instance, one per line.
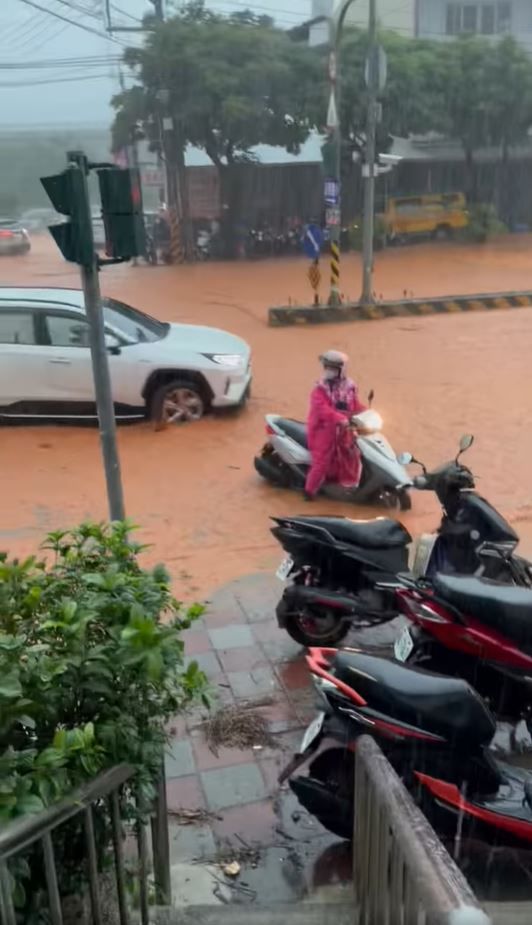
(334, 359)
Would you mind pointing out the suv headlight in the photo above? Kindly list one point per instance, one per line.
(231, 360)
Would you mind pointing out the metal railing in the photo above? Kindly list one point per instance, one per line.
(30, 830)
(402, 873)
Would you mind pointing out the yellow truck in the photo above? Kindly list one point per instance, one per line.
(436, 215)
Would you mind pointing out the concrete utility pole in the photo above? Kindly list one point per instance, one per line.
(333, 214)
(374, 76)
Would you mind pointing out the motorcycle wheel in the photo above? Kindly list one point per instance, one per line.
(311, 628)
(335, 769)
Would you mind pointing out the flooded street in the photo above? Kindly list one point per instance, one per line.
(193, 490)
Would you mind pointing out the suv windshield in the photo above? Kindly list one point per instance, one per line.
(133, 324)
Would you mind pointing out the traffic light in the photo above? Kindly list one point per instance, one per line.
(67, 194)
(121, 199)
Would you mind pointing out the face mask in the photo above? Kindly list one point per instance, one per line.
(331, 374)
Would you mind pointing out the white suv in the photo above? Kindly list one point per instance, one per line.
(169, 372)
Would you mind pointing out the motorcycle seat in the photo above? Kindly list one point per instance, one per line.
(505, 608)
(380, 533)
(443, 706)
(296, 430)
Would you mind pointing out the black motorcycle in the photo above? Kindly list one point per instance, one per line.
(436, 733)
(343, 571)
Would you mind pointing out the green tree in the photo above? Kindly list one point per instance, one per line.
(231, 85)
(411, 100)
(509, 107)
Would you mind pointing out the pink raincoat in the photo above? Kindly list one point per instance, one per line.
(335, 455)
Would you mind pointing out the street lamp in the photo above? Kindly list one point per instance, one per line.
(336, 23)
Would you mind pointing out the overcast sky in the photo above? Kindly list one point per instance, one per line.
(33, 95)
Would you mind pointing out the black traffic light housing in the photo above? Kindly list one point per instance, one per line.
(120, 194)
(66, 192)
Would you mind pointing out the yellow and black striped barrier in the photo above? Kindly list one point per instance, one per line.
(284, 316)
(335, 266)
(177, 251)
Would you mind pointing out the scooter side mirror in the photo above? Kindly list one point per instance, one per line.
(466, 441)
(404, 459)
(371, 396)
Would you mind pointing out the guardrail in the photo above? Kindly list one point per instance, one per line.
(402, 873)
(29, 830)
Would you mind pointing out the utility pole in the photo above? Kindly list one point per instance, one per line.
(373, 78)
(100, 362)
(334, 212)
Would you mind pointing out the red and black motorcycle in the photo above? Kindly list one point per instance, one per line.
(435, 731)
(475, 629)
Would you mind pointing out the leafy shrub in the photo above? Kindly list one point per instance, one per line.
(91, 670)
(483, 224)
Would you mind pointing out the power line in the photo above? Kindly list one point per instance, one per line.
(60, 63)
(52, 80)
(71, 22)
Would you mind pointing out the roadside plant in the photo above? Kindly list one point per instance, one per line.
(91, 671)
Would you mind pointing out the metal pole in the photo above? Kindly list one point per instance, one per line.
(336, 23)
(100, 361)
(369, 166)
(334, 123)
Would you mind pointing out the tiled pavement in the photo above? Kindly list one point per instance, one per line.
(246, 656)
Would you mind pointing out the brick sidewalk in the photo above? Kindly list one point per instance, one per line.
(246, 656)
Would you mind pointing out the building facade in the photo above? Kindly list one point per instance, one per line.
(436, 19)
(443, 19)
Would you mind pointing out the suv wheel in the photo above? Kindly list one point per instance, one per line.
(176, 402)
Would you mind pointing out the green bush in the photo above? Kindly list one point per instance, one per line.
(91, 670)
(483, 224)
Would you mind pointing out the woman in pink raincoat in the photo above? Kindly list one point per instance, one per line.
(333, 401)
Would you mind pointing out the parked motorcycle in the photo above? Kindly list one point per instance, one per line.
(434, 730)
(285, 460)
(475, 628)
(343, 570)
(203, 248)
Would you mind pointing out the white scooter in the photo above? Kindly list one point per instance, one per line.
(285, 460)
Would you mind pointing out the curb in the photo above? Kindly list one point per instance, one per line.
(284, 316)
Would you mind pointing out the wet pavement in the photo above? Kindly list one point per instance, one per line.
(284, 853)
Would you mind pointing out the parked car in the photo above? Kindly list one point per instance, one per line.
(167, 372)
(14, 239)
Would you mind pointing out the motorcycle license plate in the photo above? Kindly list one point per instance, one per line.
(285, 568)
(312, 732)
(403, 646)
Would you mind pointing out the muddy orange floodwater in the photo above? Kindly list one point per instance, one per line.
(193, 489)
